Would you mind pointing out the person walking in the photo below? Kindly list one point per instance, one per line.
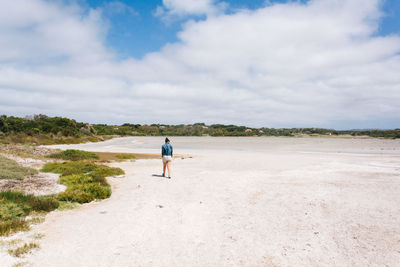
(167, 153)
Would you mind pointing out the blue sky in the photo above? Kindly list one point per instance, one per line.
(134, 35)
(321, 63)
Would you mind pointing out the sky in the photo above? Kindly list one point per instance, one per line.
(317, 63)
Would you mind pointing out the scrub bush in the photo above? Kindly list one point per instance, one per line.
(74, 155)
(85, 181)
(14, 206)
(81, 167)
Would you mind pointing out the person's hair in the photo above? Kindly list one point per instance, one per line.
(166, 139)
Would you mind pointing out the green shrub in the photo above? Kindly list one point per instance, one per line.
(84, 193)
(9, 169)
(82, 188)
(81, 167)
(29, 202)
(44, 203)
(72, 154)
(14, 206)
(85, 181)
(10, 211)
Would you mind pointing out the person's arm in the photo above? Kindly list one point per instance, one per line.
(172, 150)
(162, 151)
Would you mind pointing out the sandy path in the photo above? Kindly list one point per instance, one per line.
(225, 208)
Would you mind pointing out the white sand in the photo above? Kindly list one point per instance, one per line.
(238, 202)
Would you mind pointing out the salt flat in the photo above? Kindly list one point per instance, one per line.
(238, 202)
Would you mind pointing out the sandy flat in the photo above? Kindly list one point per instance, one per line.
(238, 202)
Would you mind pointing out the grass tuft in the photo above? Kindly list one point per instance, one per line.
(12, 226)
(9, 169)
(68, 205)
(26, 248)
(74, 155)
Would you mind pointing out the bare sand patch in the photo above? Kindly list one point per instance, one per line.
(238, 202)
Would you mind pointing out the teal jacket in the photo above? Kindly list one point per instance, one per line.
(166, 149)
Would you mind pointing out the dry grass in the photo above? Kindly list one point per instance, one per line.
(9, 169)
(26, 151)
(26, 248)
(50, 139)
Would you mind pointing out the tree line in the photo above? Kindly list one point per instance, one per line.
(42, 124)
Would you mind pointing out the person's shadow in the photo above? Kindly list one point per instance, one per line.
(158, 175)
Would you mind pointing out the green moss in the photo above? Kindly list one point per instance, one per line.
(9, 169)
(72, 154)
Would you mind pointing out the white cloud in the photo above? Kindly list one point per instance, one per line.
(117, 7)
(318, 64)
(176, 9)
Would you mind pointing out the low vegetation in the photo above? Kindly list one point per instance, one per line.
(97, 171)
(83, 189)
(125, 156)
(15, 206)
(112, 156)
(26, 248)
(85, 181)
(74, 155)
(9, 169)
(41, 129)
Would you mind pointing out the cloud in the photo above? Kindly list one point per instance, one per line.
(316, 64)
(177, 9)
(117, 7)
(38, 32)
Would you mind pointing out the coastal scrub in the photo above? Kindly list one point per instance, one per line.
(74, 155)
(15, 206)
(85, 181)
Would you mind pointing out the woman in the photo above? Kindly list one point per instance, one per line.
(166, 153)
